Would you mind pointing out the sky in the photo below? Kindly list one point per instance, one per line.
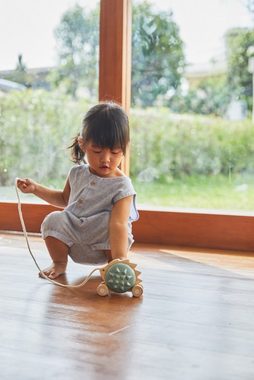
(27, 27)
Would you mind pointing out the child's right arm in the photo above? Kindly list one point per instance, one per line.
(57, 198)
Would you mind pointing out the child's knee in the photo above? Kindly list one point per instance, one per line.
(51, 221)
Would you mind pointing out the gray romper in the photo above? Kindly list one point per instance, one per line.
(84, 224)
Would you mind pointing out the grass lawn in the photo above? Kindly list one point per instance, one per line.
(217, 192)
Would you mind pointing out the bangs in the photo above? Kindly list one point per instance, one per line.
(107, 129)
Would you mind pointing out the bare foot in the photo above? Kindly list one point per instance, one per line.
(54, 270)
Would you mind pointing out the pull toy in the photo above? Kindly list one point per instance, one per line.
(119, 276)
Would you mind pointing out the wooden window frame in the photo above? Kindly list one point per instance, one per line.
(202, 229)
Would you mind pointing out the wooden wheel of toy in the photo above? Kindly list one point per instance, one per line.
(102, 290)
(137, 291)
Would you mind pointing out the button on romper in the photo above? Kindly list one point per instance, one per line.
(84, 224)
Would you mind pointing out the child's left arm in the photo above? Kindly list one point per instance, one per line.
(118, 228)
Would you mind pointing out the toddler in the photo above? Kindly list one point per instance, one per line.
(98, 199)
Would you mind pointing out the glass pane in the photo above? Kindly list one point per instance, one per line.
(48, 79)
(192, 95)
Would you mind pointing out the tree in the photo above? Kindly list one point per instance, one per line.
(20, 64)
(250, 6)
(158, 58)
(238, 40)
(157, 51)
(77, 38)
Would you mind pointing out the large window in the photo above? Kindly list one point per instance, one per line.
(191, 114)
(48, 79)
(177, 104)
(192, 96)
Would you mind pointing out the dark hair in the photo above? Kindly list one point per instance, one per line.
(106, 125)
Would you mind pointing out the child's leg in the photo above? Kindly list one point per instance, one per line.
(59, 254)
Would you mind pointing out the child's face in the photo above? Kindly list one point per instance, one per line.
(103, 162)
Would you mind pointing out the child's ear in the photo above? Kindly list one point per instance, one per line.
(81, 143)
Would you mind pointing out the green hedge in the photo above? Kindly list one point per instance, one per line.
(37, 126)
(171, 145)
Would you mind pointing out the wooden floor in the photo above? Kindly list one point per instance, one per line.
(195, 320)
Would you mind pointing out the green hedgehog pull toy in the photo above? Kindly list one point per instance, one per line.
(120, 276)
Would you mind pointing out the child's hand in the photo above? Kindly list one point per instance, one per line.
(26, 185)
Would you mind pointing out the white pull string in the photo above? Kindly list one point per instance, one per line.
(31, 253)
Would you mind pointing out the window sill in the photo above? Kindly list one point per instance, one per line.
(190, 228)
